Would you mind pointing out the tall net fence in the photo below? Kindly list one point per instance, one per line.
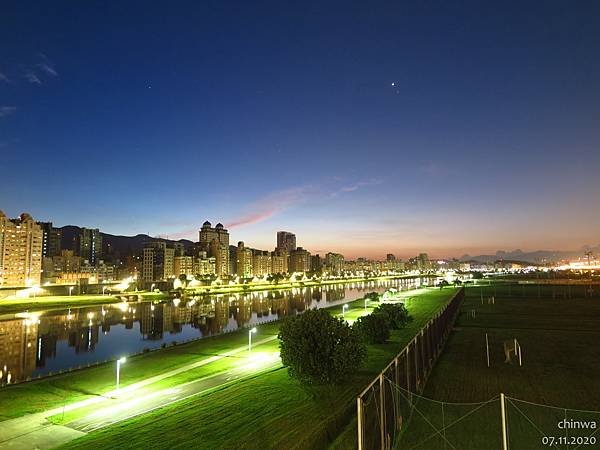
(502, 422)
(432, 424)
(382, 409)
(532, 425)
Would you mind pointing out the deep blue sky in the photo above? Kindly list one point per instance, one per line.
(365, 127)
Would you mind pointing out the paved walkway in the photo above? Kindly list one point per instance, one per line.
(34, 432)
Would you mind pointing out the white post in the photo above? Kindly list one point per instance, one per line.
(252, 330)
(487, 347)
(520, 362)
(118, 372)
(382, 427)
(119, 362)
(504, 434)
(359, 414)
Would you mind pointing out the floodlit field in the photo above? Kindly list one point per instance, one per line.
(558, 329)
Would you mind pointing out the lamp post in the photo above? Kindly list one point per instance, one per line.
(70, 290)
(252, 330)
(152, 287)
(103, 289)
(344, 308)
(366, 300)
(119, 362)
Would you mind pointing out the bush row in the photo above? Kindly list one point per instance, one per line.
(317, 347)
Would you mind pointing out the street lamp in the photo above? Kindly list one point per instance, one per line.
(252, 330)
(103, 289)
(152, 287)
(70, 290)
(344, 308)
(366, 300)
(119, 362)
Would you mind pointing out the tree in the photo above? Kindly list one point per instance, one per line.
(372, 296)
(396, 314)
(374, 328)
(319, 348)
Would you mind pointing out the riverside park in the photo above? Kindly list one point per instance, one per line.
(230, 389)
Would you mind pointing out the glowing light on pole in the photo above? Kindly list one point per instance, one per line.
(70, 290)
(152, 287)
(366, 300)
(344, 308)
(253, 330)
(119, 362)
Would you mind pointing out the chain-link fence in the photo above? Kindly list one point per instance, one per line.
(386, 404)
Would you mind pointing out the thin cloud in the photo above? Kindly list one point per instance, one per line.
(354, 187)
(4, 78)
(48, 69)
(32, 77)
(275, 203)
(271, 205)
(7, 110)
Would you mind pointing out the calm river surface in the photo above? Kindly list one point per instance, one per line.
(62, 339)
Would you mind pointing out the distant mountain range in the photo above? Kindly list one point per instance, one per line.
(116, 246)
(539, 256)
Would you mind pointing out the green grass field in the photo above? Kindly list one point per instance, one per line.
(48, 393)
(560, 341)
(270, 410)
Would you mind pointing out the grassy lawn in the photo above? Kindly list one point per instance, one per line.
(36, 396)
(60, 302)
(560, 342)
(270, 410)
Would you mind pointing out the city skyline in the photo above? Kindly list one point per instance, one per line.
(333, 121)
(402, 253)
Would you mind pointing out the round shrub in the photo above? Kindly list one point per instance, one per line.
(374, 328)
(396, 314)
(319, 348)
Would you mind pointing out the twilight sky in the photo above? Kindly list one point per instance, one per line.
(363, 127)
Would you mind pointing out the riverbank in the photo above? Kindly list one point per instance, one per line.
(15, 306)
(259, 286)
(46, 393)
(44, 303)
(270, 410)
